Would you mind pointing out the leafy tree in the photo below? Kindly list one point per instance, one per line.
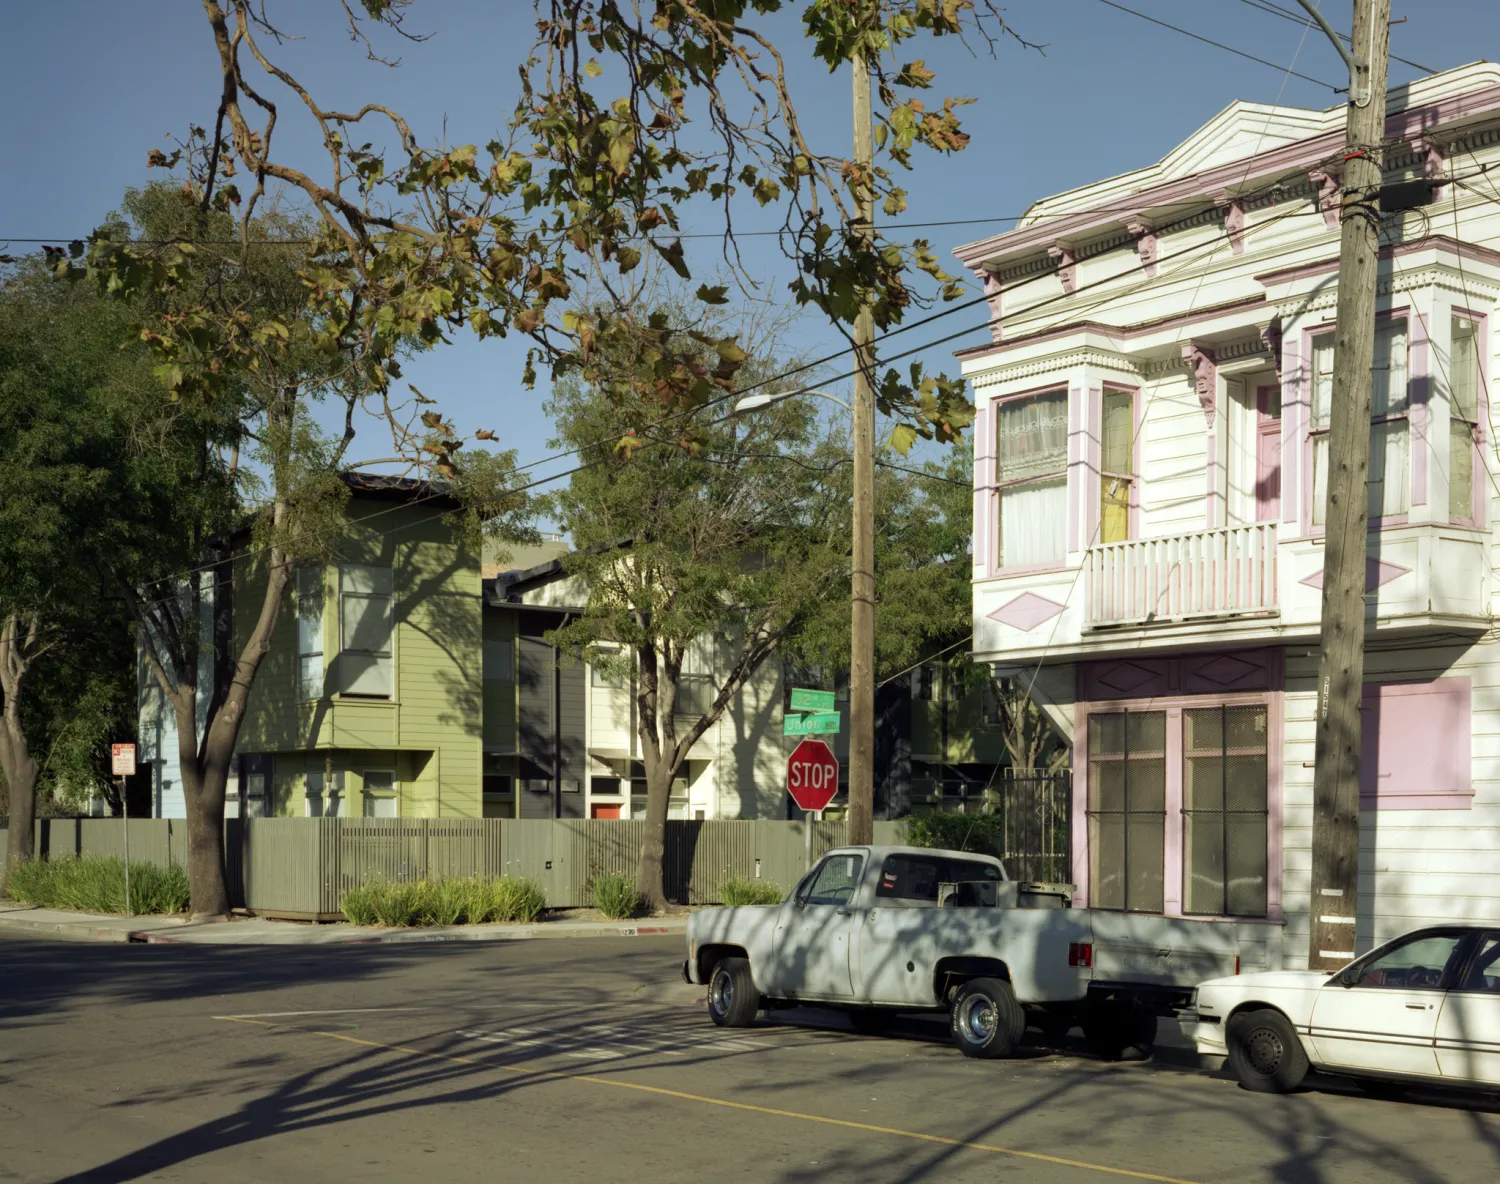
(727, 535)
(65, 673)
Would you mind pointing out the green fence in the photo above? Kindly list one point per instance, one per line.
(300, 867)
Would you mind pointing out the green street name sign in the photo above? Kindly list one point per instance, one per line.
(805, 700)
(810, 725)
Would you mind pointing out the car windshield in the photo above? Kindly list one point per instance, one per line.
(836, 880)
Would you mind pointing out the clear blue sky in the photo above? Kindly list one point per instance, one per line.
(89, 86)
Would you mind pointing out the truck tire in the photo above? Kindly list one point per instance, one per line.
(1116, 1034)
(733, 1001)
(985, 1019)
(1264, 1052)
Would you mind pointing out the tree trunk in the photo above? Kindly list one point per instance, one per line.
(20, 770)
(648, 877)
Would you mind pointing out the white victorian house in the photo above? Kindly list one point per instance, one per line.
(1149, 485)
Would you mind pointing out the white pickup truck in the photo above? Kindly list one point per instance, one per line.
(881, 930)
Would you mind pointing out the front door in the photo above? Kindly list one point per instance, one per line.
(1468, 1031)
(1268, 454)
(813, 936)
(1387, 1021)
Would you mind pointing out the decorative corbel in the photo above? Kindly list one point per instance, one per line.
(1434, 158)
(1234, 221)
(994, 295)
(1205, 369)
(1145, 245)
(1330, 200)
(1067, 268)
(1270, 336)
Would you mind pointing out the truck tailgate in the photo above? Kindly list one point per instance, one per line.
(1133, 947)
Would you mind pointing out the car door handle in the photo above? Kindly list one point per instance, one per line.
(1419, 1007)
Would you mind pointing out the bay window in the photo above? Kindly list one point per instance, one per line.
(1463, 419)
(1116, 464)
(1389, 480)
(1031, 472)
(310, 633)
(365, 660)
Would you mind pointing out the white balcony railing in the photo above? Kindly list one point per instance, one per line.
(1208, 573)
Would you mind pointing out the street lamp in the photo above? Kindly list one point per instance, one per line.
(765, 399)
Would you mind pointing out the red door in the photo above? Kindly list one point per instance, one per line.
(604, 810)
(1268, 454)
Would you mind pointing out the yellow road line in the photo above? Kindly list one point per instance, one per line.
(703, 1099)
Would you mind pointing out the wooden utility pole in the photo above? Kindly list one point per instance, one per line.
(1341, 655)
(862, 623)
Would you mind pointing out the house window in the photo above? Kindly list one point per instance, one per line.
(1031, 473)
(310, 633)
(611, 670)
(695, 687)
(325, 795)
(1463, 419)
(365, 622)
(1224, 795)
(1117, 465)
(1127, 809)
(380, 793)
(1389, 481)
(255, 785)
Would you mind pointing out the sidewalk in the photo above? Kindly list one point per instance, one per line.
(259, 931)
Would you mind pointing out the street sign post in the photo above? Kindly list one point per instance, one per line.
(806, 700)
(122, 765)
(812, 778)
(814, 724)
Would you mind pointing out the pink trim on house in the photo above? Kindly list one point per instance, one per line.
(1407, 124)
(1330, 266)
(984, 483)
(1139, 407)
(1294, 415)
(1244, 678)
(1398, 774)
(1478, 501)
(1093, 442)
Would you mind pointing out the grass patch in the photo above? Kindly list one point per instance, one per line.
(457, 901)
(741, 890)
(96, 884)
(615, 896)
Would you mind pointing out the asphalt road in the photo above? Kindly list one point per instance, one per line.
(589, 1060)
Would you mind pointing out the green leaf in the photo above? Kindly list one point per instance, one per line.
(903, 436)
(593, 69)
(672, 253)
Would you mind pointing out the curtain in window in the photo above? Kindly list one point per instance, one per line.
(1117, 465)
(1224, 811)
(1031, 466)
(1389, 477)
(1463, 417)
(1127, 809)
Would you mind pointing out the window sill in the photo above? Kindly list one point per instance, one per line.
(1417, 801)
(1005, 573)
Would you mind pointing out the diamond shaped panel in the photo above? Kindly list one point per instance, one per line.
(1027, 611)
(1378, 572)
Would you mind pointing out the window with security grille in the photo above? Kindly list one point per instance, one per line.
(1127, 809)
(1224, 780)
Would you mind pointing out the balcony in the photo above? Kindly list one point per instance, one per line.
(1230, 572)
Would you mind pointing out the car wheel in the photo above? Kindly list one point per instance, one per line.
(1264, 1052)
(985, 1019)
(870, 1021)
(1114, 1034)
(733, 1001)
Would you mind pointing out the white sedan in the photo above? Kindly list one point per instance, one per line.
(1423, 1009)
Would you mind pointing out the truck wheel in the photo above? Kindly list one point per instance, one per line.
(733, 1001)
(1264, 1052)
(985, 1018)
(870, 1021)
(1114, 1034)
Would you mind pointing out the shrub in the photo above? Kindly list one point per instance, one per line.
(741, 890)
(983, 834)
(96, 884)
(615, 896)
(451, 901)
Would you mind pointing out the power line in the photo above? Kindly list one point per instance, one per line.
(1226, 48)
(1301, 18)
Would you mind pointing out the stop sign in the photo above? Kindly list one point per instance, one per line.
(812, 775)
